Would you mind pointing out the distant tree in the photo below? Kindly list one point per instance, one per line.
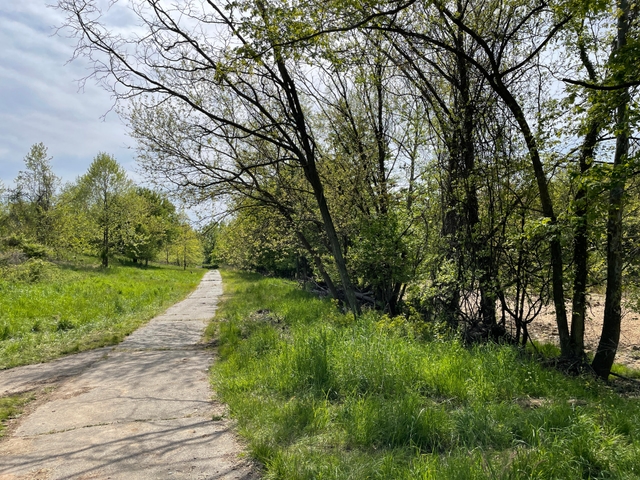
(186, 247)
(268, 245)
(76, 227)
(4, 210)
(151, 223)
(210, 234)
(103, 190)
(32, 199)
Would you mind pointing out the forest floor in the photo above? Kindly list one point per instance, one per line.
(141, 409)
(544, 330)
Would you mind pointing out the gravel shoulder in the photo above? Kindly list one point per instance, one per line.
(140, 410)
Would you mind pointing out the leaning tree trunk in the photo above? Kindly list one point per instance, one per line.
(557, 274)
(318, 263)
(312, 176)
(334, 242)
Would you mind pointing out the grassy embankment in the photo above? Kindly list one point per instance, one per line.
(47, 311)
(71, 308)
(321, 396)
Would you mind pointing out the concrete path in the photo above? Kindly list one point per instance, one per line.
(141, 410)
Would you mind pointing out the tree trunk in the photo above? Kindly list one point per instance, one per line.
(311, 173)
(336, 249)
(450, 225)
(307, 160)
(580, 238)
(480, 258)
(557, 274)
(105, 247)
(319, 265)
(580, 245)
(610, 337)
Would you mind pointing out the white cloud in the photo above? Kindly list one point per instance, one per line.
(41, 101)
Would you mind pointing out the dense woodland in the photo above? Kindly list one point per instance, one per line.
(102, 213)
(468, 161)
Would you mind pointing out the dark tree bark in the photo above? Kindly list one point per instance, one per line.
(480, 257)
(105, 247)
(580, 234)
(580, 246)
(557, 273)
(610, 337)
(311, 173)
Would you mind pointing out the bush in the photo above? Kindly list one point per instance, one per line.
(12, 257)
(35, 250)
(31, 271)
(29, 249)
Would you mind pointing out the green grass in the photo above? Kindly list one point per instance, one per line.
(11, 406)
(71, 308)
(319, 395)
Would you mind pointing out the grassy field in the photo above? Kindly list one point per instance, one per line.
(319, 395)
(50, 310)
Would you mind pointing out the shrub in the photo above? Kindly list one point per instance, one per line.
(31, 271)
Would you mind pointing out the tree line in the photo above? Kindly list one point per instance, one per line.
(102, 213)
(472, 160)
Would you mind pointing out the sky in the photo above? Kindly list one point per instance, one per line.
(41, 99)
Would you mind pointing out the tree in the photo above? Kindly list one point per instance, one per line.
(210, 93)
(581, 205)
(186, 247)
(4, 210)
(33, 198)
(151, 223)
(103, 190)
(267, 245)
(210, 235)
(610, 337)
(77, 227)
(520, 31)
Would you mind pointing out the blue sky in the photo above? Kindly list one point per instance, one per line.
(41, 99)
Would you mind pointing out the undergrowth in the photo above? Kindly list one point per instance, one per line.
(320, 395)
(48, 310)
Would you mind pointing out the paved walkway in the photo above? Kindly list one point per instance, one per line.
(141, 410)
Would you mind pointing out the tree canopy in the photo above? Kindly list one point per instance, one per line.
(102, 213)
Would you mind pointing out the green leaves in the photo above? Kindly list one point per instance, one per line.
(102, 192)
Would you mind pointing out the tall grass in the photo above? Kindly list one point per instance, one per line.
(320, 395)
(74, 307)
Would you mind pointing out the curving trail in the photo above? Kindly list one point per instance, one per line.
(140, 410)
